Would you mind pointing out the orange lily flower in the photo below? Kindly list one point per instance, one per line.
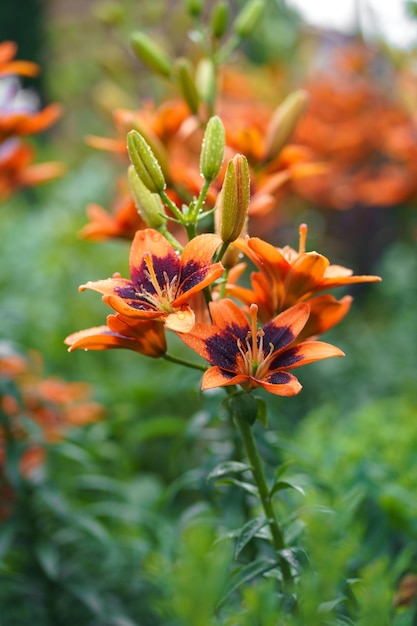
(17, 169)
(162, 282)
(122, 222)
(241, 354)
(9, 67)
(288, 276)
(144, 336)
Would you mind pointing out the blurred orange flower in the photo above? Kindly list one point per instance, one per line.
(50, 403)
(19, 117)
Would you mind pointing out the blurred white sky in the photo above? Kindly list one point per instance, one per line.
(386, 18)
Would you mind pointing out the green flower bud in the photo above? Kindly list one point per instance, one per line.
(219, 19)
(284, 121)
(150, 54)
(110, 13)
(234, 199)
(206, 80)
(149, 205)
(186, 84)
(247, 19)
(212, 153)
(145, 163)
(194, 7)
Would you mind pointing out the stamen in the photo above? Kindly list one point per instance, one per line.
(303, 238)
(255, 359)
(149, 264)
(163, 295)
(253, 310)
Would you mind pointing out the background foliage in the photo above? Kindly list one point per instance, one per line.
(121, 526)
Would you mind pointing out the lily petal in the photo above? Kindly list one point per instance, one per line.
(181, 321)
(216, 377)
(281, 384)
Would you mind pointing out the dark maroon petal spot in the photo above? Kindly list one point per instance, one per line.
(189, 269)
(127, 293)
(279, 378)
(222, 350)
(133, 299)
(142, 305)
(288, 358)
(279, 336)
(240, 332)
(167, 267)
(227, 374)
(194, 279)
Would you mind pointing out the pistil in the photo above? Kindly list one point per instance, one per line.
(302, 230)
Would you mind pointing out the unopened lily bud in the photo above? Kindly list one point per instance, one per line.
(194, 7)
(110, 13)
(247, 19)
(206, 80)
(187, 84)
(212, 152)
(234, 199)
(148, 204)
(150, 54)
(145, 163)
(219, 19)
(284, 121)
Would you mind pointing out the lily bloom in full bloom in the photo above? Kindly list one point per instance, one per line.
(162, 281)
(288, 276)
(243, 354)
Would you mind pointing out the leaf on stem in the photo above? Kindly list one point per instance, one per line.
(248, 531)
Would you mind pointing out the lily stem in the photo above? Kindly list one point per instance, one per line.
(264, 493)
(179, 361)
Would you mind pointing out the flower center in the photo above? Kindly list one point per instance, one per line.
(255, 357)
(164, 295)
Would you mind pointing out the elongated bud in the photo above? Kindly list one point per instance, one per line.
(284, 121)
(144, 162)
(186, 83)
(234, 198)
(212, 153)
(247, 19)
(148, 204)
(194, 7)
(206, 80)
(219, 19)
(150, 54)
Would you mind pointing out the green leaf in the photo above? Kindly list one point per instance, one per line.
(92, 527)
(248, 487)
(226, 468)
(243, 405)
(286, 484)
(7, 534)
(160, 427)
(282, 469)
(262, 412)
(245, 574)
(247, 532)
(48, 559)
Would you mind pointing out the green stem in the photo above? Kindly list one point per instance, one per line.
(222, 251)
(179, 361)
(172, 240)
(264, 493)
(171, 205)
(201, 198)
